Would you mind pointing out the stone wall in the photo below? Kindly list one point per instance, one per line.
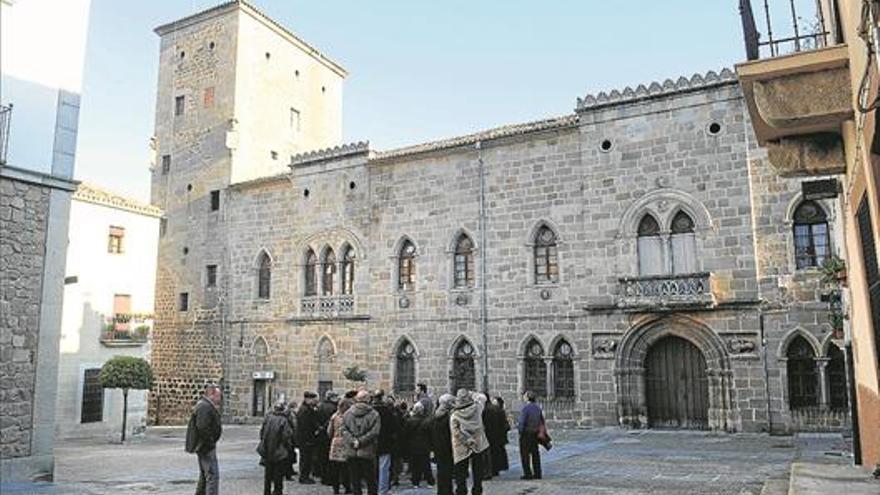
(24, 210)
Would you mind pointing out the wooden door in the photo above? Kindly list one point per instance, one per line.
(676, 387)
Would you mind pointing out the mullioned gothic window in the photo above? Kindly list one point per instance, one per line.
(811, 237)
(264, 276)
(311, 273)
(546, 258)
(535, 369)
(405, 368)
(328, 272)
(406, 266)
(664, 254)
(347, 270)
(650, 246)
(563, 370)
(463, 276)
(803, 378)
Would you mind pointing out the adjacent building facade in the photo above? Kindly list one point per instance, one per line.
(637, 262)
(108, 306)
(39, 114)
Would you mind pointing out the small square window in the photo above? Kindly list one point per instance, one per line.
(208, 99)
(178, 105)
(215, 200)
(211, 276)
(294, 121)
(273, 154)
(166, 164)
(114, 241)
(183, 301)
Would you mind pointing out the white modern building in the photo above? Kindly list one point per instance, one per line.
(108, 306)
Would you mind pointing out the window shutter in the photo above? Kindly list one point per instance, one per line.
(684, 254)
(651, 256)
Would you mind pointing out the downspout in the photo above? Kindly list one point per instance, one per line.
(483, 297)
(766, 371)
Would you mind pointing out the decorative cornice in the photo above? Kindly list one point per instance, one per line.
(310, 157)
(487, 135)
(656, 89)
(89, 193)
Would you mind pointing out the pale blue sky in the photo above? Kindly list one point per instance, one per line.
(418, 70)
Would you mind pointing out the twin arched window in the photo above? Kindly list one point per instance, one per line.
(561, 369)
(663, 254)
(812, 242)
(804, 379)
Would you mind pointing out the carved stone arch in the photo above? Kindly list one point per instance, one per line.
(255, 264)
(660, 203)
(826, 344)
(325, 343)
(260, 345)
(322, 254)
(334, 236)
(453, 241)
(679, 208)
(533, 232)
(798, 198)
(630, 370)
(524, 343)
(450, 352)
(559, 338)
(782, 350)
(402, 339)
(342, 248)
(398, 245)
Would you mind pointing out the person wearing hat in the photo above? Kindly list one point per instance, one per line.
(325, 410)
(307, 426)
(276, 437)
(468, 442)
(360, 429)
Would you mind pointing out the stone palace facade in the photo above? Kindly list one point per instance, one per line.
(635, 262)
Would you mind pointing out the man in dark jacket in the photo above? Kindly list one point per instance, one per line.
(307, 426)
(530, 419)
(206, 421)
(360, 431)
(325, 411)
(276, 437)
(290, 411)
(441, 444)
(388, 433)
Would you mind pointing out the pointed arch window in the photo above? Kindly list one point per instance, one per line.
(311, 273)
(535, 369)
(347, 270)
(546, 258)
(328, 272)
(683, 243)
(803, 378)
(405, 367)
(463, 275)
(264, 276)
(406, 266)
(563, 370)
(836, 376)
(326, 353)
(650, 247)
(811, 237)
(463, 370)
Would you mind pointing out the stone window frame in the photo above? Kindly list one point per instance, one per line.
(548, 358)
(452, 355)
(212, 279)
(347, 258)
(450, 254)
(821, 350)
(80, 389)
(531, 245)
(396, 265)
(533, 359)
(310, 278)
(328, 287)
(324, 370)
(394, 357)
(116, 240)
(834, 234)
(338, 240)
(263, 267)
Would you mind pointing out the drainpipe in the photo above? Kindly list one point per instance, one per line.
(483, 248)
(766, 371)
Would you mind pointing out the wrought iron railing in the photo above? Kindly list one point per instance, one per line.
(5, 121)
(665, 290)
(113, 335)
(790, 26)
(327, 306)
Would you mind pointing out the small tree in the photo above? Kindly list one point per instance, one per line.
(126, 372)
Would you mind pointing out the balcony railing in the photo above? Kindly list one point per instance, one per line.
(666, 290)
(113, 336)
(327, 306)
(790, 26)
(5, 121)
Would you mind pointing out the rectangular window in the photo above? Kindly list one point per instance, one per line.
(215, 200)
(211, 276)
(166, 164)
(163, 226)
(114, 241)
(208, 99)
(183, 302)
(92, 397)
(121, 313)
(294, 121)
(178, 106)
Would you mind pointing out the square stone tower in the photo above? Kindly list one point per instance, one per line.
(238, 94)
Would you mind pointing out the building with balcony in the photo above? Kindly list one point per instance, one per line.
(636, 262)
(811, 89)
(108, 309)
(40, 81)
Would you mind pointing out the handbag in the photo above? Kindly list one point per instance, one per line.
(544, 439)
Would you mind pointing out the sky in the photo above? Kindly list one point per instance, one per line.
(418, 70)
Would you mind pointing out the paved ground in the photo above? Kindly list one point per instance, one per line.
(603, 461)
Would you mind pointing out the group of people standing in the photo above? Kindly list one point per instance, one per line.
(364, 439)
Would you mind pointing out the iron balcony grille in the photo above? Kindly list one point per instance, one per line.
(692, 289)
(789, 26)
(5, 121)
(327, 306)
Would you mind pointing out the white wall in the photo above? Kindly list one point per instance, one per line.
(89, 301)
(42, 52)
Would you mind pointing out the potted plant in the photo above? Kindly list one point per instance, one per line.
(834, 271)
(355, 373)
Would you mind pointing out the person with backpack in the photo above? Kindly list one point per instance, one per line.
(276, 438)
(202, 434)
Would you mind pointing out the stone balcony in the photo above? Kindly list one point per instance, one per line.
(797, 104)
(336, 306)
(666, 291)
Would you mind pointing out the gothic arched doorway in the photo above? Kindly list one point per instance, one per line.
(676, 386)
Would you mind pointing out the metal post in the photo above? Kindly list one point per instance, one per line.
(797, 36)
(483, 257)
(750, 32)
(769, 29)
